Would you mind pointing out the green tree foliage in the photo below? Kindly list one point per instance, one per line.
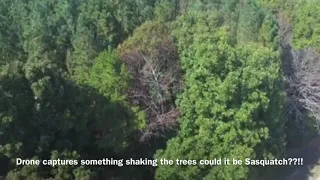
(91, 79)
(10, 42)
(44, 26)
(110, 76)
(268, 33)
(231, 104)
(230, 11)
(52, 115)
(101, 24)
(131, 13)
(250, 20)
(247, 20)
(73, 32)
(56, 40)
(202, 5)
(146, 38)
(112, 80)
(306, 31)
(167, 10)
(279, 6)
(273, 4)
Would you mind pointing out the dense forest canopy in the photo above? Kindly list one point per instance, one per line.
(174, 79)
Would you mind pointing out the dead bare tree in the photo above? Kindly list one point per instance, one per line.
(302, 75)
(155, 76)
(305, 81)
